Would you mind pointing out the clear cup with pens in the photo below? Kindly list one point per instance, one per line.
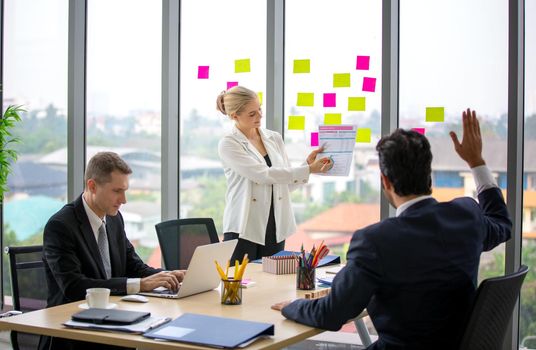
(231, 292)
(306, 269)
(305, 278)
(231, 287)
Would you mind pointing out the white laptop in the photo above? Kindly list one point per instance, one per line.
(201, 275)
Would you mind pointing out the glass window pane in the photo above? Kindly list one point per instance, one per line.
(527, 323)
(123, 105)
(35, 76)
(211, 43)
(333, 66)
(453, 56)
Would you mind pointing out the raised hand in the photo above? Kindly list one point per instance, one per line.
(470, 149)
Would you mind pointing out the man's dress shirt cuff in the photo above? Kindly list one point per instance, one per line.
(483, 178)
(133, 285)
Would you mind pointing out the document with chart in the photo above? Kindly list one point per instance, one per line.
(338, 142)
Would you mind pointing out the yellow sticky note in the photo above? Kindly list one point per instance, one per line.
(296, 122)
(357, 103)
(435, 114)
(341, 79)
(302, 66)
(306, 99)
(259, 94)
(363, 135)
(242, 66)
(332, 118)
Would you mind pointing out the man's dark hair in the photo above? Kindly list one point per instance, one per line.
(406, 160)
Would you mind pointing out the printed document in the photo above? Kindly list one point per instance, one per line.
(338, 142)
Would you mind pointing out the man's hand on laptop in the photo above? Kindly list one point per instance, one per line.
(167, 279)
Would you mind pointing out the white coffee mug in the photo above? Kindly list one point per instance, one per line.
(97, 297)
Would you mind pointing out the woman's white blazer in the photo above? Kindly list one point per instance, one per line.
(249, 185)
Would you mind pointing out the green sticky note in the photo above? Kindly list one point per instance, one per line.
(302, 66)
(242, 66)
(296, 122)
(363, 135)
(332, 118)
(259, 94)
(357, 103)
(341, 79)
(435, 114)
(306, 99)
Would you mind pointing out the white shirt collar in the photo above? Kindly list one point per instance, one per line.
(94, 220)
(409, 203)
(236, 131)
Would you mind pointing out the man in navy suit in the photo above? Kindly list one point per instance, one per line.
(85, 245)
(416, 273)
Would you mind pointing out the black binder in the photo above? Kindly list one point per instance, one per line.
(107, 316)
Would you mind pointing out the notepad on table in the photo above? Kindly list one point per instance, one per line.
(247, 283)
(335, 270)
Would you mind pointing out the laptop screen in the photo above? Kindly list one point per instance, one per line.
(201, 275)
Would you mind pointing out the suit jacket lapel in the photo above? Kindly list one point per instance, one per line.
(244, 140)
(269, 145)
(88, 235)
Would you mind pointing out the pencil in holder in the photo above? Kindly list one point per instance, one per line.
(231, 293)
(305, 278)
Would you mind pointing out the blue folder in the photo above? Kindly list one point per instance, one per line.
(325, 261)
(326, 280)
(212, 331)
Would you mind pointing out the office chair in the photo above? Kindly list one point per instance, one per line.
(28, 286)
(492, 311)
(178, 239)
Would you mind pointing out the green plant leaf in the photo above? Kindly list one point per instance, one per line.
(8, 121)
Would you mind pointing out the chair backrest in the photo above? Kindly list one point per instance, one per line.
(492, 311)
(28, 283)
(179, 238)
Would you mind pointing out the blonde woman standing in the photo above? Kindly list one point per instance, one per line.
(259, 176)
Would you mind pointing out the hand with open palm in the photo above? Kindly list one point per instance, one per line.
(470, 149)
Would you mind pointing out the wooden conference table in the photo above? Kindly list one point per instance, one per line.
(269, 289)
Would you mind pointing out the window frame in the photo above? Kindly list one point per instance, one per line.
(275, 104)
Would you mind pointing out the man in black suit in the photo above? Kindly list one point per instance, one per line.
(85, 245)
(416, 273)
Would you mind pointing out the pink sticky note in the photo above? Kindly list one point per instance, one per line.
(202, 72)
(330, 100)
(369, 84)
(314, 139)
(362, 62)
(419, 130)
(230, 84)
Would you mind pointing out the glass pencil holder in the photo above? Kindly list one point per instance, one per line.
(305, 278)
(231, 292)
